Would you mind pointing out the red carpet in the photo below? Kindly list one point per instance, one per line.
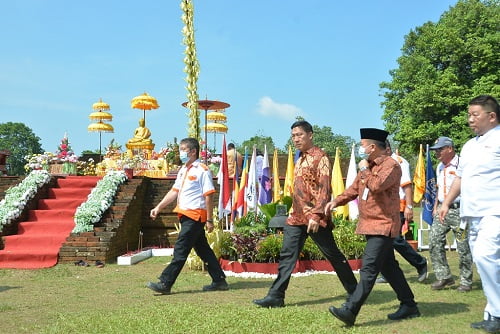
(39, 239)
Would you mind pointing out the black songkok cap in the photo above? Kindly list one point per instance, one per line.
(374, 134)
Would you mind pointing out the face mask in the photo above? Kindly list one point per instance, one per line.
(183, 155)
(362, 153)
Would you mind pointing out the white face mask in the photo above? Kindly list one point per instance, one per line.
(183, 155)
(362, 153)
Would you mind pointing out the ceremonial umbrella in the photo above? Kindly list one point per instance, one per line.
(100, 116)
(209, 105)
(215, 128)
(144, 102)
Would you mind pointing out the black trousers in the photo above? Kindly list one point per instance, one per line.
(406, 251)
(192, 235)
(379, 258)
(294, 238)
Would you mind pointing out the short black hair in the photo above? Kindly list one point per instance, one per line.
(305, 125)
(191, 143)
(230, 145)
(488, 102)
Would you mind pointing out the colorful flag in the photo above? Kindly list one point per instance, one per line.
(223, 179)
(276, 178)
(265, 193)
(251, 188)
(288, 187)
(351, 176)
(419, 178)
(240, 202)
(338, 185)
(430, 190)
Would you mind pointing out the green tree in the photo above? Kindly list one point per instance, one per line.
(20, 141)
(259, 141)
(443, 65)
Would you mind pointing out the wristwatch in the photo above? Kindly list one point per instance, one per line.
(210, 221)
(409, 206)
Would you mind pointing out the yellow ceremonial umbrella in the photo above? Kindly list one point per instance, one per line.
(144, 102)
(216, 116)
(215, 128)
(100, 116)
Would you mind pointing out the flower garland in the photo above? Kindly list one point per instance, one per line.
(98, 201)
(18, 196)
(192, 68)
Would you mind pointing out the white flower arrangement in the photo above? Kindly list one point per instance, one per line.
(18, 196)
(98, 201)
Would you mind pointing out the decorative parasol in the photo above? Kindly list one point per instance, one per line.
(100, 116)
(216, 116)
(209, 105)
(215, 128)
(144, 102)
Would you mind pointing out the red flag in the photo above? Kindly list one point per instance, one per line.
(223, 177)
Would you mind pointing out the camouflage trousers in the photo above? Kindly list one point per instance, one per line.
(437, 250)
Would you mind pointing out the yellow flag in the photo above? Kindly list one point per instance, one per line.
(419, 177)
(288, 187)
(338, 185)
(276, 178)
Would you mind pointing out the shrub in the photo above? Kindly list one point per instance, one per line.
(311, 251)
(268, 249)
(349, 243)
(251, 223)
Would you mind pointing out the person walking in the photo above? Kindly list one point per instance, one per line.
(477, 183)
(377, 188)
(445, 174)
(193, 189)
(311, 192)
(406, 215)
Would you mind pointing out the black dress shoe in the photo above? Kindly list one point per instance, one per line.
(217, 286)
(159, 287)
(479, 324)
(404, 312)
(442, 283)
(492, 325)
(343, 314)
(270, 302)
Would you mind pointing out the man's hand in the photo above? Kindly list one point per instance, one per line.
(363, 164)
(154, 212)
(443, 210)
(408, 214)
(313, 226)
(210, 226)
(330, 206)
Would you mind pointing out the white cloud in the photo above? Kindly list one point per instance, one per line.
(268, 107)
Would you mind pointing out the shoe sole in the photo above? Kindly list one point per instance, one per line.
(269, 306)
(163, 292)
(411, 316)
(332, 311)
(444, 286)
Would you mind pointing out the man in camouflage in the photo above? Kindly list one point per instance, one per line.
(445, 174)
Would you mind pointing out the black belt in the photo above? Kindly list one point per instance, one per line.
(454, 205)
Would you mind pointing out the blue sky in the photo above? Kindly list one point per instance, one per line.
(271, 60)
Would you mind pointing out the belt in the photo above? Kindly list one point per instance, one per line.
(454, 205)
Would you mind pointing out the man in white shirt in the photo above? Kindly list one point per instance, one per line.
(478, 183)
(445, 174)
(193, 189)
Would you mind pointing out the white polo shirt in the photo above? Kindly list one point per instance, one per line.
(479, 168)
(445, 176)
(193, 183)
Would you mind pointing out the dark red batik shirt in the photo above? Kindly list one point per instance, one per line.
(311, 188)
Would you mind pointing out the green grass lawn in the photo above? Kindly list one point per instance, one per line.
(114, 299)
